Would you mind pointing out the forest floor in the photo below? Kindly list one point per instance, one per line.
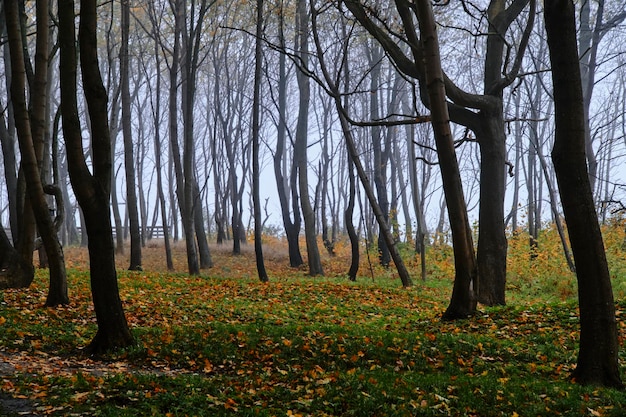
(223, 343)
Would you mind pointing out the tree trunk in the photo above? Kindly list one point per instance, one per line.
(129, 159)
(14, 273)
(31, 132)
(292, 228)
(10, 171)
(598, 362)
(256, 110)
(349, 212)
(492, 242)
(92, 190)
(203, 245)
(420, 233)
(375, 54)
(462, 301)
(300, 147)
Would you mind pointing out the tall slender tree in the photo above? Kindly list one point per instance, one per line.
(92, 190)
(287, 188)
(598, 362)
(256, 112)
(462, 302)
(129, 159)
(300, 146)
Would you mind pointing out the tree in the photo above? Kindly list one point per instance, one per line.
(589, 42)
(17, 266)
(300, 146)
(129, 160)
(156, 114)
(287, 190)
(31, 129)
(333, 90)
(256, 110)
(482, 113)
(92, 190)
(381, 154)
(462, 302)
(599, 346)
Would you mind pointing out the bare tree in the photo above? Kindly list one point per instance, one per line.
(599, 345)
(482, 113)
(462, 302)
(287, 188)
(300, 146)
(589, 38)
(31, 129)
(256, 110)
(333, 90)
(92, 190)
(129, 160)
(158, 149)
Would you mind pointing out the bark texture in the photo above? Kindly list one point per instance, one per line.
(598, 355)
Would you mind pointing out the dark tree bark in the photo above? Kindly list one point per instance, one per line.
(349, 212)
(462, 302)
(16, 271)
(183, 189)
(92, 190)
(381, 154)
(598, 362)
(256, 113)
(206, 261)
(300, 146)
(292, 227)
(7, 138)
(31, 132)
(129, 159)
(10, 169)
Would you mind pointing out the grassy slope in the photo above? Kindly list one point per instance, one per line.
(224, 343)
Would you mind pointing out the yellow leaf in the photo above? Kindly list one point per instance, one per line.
(79, 396)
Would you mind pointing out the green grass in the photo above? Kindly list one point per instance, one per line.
(215, 345)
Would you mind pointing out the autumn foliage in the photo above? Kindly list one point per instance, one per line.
(224, 343)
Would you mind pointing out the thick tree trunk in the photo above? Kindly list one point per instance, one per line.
(598, 358)
(92, 190)
(492, 242)
(13, 272)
